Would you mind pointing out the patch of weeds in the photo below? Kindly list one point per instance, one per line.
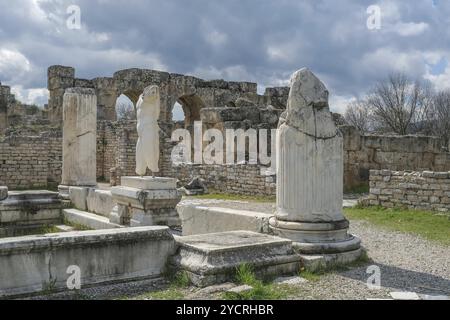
(312, 276)
(76, 226)
(178, 282)
(181, 280)
(49, 287)
(260, 290)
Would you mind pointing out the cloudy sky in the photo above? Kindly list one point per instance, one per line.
(251, 40)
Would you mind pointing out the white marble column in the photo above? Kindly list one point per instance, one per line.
(79, 138)
(310, 172)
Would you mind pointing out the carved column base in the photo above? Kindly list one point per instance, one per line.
(317, 238)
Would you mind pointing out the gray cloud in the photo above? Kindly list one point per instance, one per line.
(262, 41)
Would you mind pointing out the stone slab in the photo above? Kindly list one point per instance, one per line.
(291, 281)
(240, 289)
(100, 202)
(321, 261)
(78, 197)
(214, 258)
(405, 296)
(203, 220)
(149, 183)
(40, 263)
(146, 199)
(89, 220)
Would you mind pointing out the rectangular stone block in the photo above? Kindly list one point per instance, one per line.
(78, 197)
(203, 220)
(37, 263)
(149, 183)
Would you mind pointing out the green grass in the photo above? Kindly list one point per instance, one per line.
(21, 232)
(234, 197)
(169, 294)
(361, 189)
(76, 226)
(429, 225)
(261, 290)
(178, 282)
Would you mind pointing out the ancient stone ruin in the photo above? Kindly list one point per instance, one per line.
(137, 228)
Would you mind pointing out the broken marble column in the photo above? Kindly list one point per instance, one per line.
(146, 201)
(79, 140)
(310, 173)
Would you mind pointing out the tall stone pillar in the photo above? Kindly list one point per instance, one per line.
(4, 102)
(79, 139)
(59, 79)
(107, 95)
(310, 173)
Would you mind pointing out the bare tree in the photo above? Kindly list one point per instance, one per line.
(358, 115)
(399, 104)
(125, 111)
(439, 116)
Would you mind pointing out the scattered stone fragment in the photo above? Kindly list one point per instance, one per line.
(240, 289)
(405, 296)
(292, 281)
(434, 297)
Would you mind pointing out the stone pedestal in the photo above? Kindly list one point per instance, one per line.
(79, 140)
(146, 201)
(310, 173)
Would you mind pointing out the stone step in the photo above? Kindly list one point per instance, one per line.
(89, 220)
(214, 258)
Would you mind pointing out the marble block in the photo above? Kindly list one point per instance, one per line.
(146, 201)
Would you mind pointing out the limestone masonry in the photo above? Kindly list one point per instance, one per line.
(425, 190)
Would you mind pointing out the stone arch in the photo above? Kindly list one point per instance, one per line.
(125, 108)
(191, 104)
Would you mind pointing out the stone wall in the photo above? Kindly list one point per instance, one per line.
(426, 190)
(363, 153)
(31, 162)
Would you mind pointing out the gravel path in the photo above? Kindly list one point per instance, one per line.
(407, 263)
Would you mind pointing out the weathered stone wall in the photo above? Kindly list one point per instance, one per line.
(192, 93)
(425, 190)
(30, 162)
(363, 153)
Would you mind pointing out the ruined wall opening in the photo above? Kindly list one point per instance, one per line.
(125, 108)
(191, 106)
